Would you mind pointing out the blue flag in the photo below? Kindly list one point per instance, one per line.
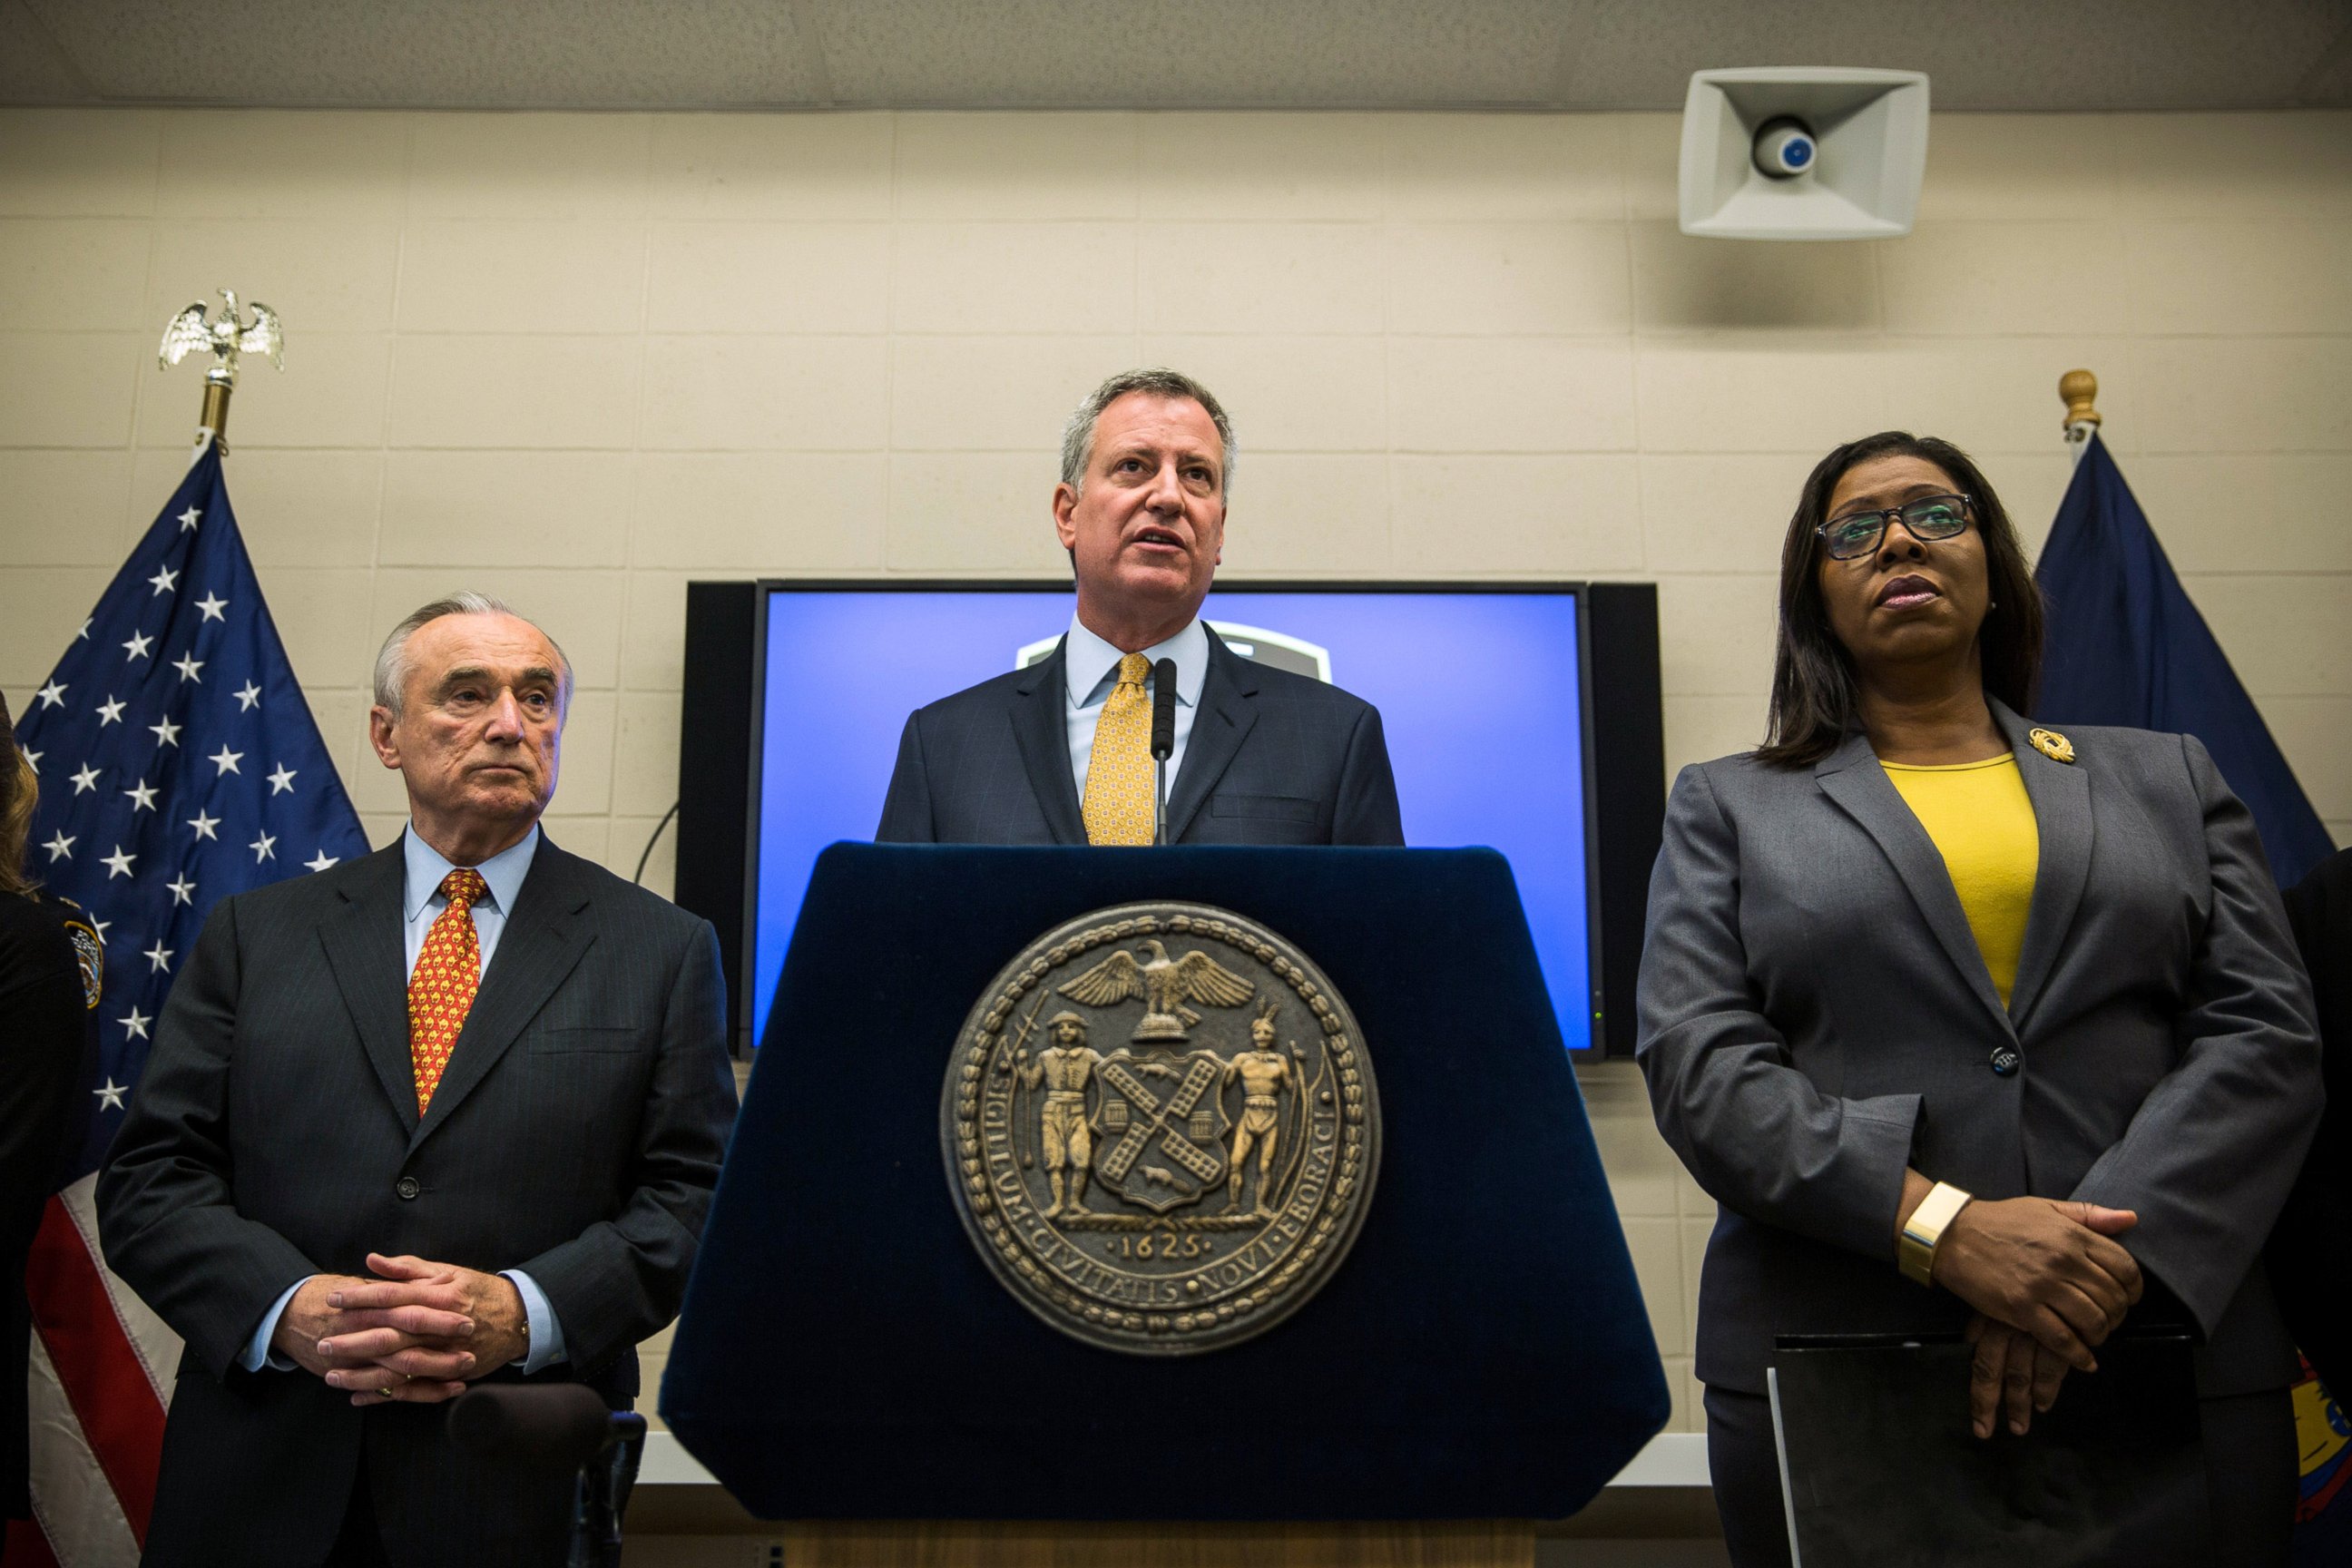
(178, 764)
(2126, 646)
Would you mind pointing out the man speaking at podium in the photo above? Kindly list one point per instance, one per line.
(1061, 752)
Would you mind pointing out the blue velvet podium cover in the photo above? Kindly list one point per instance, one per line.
(1481, 1352)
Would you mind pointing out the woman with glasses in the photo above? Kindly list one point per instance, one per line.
(1970, 1026)
(49, 967)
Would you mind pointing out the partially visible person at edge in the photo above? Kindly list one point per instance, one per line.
(1915, 955)
(2310, 1252)
(51, 969)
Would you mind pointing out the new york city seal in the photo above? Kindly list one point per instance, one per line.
(1161, 1128)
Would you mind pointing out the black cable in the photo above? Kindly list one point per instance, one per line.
(639, 876)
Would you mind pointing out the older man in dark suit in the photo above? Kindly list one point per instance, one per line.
(1059, 752)
(451, 1112)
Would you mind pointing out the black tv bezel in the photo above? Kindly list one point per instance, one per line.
(723, 715)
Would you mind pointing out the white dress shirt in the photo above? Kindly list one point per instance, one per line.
(1090, 668)
(420, 903)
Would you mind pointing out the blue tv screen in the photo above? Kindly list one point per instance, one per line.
(1482, 694)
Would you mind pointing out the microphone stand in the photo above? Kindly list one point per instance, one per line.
(1163, 743)
(602, 1495)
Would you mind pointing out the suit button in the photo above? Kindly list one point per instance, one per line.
(408, 1186)
(2005, 1063)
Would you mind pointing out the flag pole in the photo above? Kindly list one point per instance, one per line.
(2079, 389)
(225, 337)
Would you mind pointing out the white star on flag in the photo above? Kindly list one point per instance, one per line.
(204, 825)
(320, 862)
(165, 578)
(100, 927)
(136, 1022)
(282, 780)
(159, 955)
(246, 697)
(183, 891)
(110, 1097)
(53, 695)
(59, 847)
(109, 711)
(188, 519)
(142, 796)
(139, 644)
(188, 666)
(32, 760)
(225, 759)
(86, 779)
(212, 606)
(117, 864)
(166, 733)
(84, 633)
(264, 849)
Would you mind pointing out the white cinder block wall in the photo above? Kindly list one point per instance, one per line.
(579, 359)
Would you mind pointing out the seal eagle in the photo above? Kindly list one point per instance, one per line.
(1165, 984)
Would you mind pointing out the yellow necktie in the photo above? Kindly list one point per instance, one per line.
(1119, 773)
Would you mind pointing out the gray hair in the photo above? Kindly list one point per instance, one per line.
(1078, 434)
(394, 667)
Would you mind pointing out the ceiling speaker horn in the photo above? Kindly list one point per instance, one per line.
(1804, 153)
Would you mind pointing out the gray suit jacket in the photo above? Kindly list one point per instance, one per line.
(576, 1135)
(1815, 1016)
(1274, 758)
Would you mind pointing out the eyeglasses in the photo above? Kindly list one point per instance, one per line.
(1929, 517)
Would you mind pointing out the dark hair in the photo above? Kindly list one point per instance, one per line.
(1813, 675)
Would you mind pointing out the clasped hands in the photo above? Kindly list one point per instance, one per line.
(2049, 1284)
(416, 1335)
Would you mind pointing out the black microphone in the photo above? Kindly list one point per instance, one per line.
(1163, 743)
(549, 1427)
(1163, 709)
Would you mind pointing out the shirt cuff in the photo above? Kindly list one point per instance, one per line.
(546, 1330)
(258, 1353)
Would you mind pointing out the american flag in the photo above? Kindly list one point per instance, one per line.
(178, 764)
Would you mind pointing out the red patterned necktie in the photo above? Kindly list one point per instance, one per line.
(441, 990)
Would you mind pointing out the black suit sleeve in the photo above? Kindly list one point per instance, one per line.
(166, 1210)
(2309, 1262)
(622, 1279)
(907, 809)
(45, 1015)
(1366, 812)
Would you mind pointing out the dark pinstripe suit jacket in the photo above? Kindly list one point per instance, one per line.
(1274, 758)
(576, 1134)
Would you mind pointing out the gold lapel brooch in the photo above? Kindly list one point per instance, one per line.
(2051, 744)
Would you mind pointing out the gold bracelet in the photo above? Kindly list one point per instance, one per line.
(1924, 1231)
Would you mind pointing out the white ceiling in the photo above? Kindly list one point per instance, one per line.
(2053, 55)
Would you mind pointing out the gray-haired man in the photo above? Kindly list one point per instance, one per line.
(1058, 753)
(449, 1113)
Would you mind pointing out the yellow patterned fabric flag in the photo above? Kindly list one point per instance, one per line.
(441, 992)
(1119, 773)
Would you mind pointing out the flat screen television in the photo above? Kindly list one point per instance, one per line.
(1522, 717)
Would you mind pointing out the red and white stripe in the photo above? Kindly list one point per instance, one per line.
(101, 1381)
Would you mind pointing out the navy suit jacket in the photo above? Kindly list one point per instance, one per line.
(1274, 758)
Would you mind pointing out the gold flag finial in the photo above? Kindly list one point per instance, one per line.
(2080, 388)
(226, 337)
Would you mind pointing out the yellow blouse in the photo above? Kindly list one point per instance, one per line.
(1981, 822)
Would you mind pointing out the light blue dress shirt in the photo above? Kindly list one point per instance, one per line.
(1090, 668)
(420, 903)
